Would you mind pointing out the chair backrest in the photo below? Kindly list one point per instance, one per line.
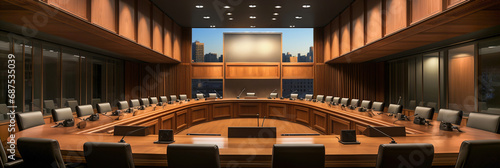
(395, 108)
(273, 95)
(336, 99)
(144, 101)
(173, 98)
(451, 116)
(493, 111)
(298, 155)
(344, 101)
(48, 105)
(366, 104)
(153, 100)
(62, 114)
(106, 154)
(84, 110)
(183, 97)
(29, 119)
(72, 104)
(212, 95)
(134, 103)
(103, 107)
(432, 105)
(95, 102)
(412, 104)
(193, 156)
(309, 96)
(3, 109)
(479, 154)
(405, 155)
(40, 153)
(163, 99)
(294, 95)
(122, 105)
(200, 95)
(424, 112)
(328, 99)
(320, 98)
(378, 106)
(250, 93)
(487, 122)
(354, 102)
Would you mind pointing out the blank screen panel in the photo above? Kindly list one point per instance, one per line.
(252, 47)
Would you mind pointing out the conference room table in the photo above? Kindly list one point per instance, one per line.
(257, 152)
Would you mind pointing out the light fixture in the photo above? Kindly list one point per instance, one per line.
(206, 17)
(273, 18)
(275, 14)
(292, 26)
(252, 26)
(212, 26)
(229, 13)
(252, 6)
(277, 6)
(252, 17)
(230, 18)
(298, 17)
(306, 6)
(227, 7)
(199, 6)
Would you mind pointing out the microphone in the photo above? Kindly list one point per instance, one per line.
(399, 101)
(217, 94)
(128, 133)
(263, 121)
(240, 93)
(258, 120)
(273, 91)
(383, 133)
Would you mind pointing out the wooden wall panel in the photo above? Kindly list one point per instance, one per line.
(358, 24)
(297, 71)
(277, 110)
(144, 23)
(319, 121)
(461, 82)
(373, 20)
(345, 31)
(103, 13)
(301, 114)
(168, 122)
(126, 19)
(335, 31)
(252, 71)
(248, 109)
(395, 15)
(76, 7)
(207, 71)
(198, 114)
(157, 30)
(338, 124)
(421, 9)
(181, 120)
(327, 55)
(177, 41)
(451, 3)
(222, 110)
(167, 36)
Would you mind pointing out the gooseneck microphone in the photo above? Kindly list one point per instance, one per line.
(217, 94)
(258, 120)
(240, 93)
(128, 133)
(383, 133)
(399, 101)
(263, 121)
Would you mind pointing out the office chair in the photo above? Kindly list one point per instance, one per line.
(479, 154)
(163, 99)
(106, 154)
(212, 95)
(424, 112)
(29, 119)
(450, 116)
(294, 96)
(200, 95)
(336, 100)
(309, 96)
(404, 155)
(72, 104)
(273, 95)
(344, 101)
(487, 122)
(95, 102)
(328, 99)
(320, 98)
(122, 105)
(84, 110)
(412, 104)
(366, 104)
(193, 156)
(48, 105)
(103, 108)
(134, 103)
(144, 101)
(395, 109)
(153, 100)
(495, 111)
(432, 105)
(40, 153)
(3, 111)
(183, 97)
(378, 106)
(298, 156)
(4, 162)
(354, 102)
(61, 114)
(250, 94)
(173, 98)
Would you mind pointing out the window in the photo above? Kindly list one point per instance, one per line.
(489, 74)
(206, 86)
(299, 86)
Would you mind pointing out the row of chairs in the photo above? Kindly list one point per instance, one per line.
(476, 154)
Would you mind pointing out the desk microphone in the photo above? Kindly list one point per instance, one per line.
(238, 97)
(217, 94)
(128, 133)
(258, 120)
(383, 133)
(263, 121)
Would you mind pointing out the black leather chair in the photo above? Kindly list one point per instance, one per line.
(320, 98)
(48, 105)
(163, 99)
(61, 114)
(395, 109)
(336, 100)
(354, 102)
(134, 103)
(193, 156)
(183, 97)
(153, 100)
(487, 122)
(40, 153)
(366, 104)
(84, 110)
(173, 98)
(405, 155)
(72, 104)
(479, 154)
(451, 116)
(424, 112)
(106, 155)
(29, 119)
(122, 105)
(378, 106)
(4, 162)
(412, 104)
(344, 101)
(328, 99)
(103, 108)
(144, 101)
(95, 101)
(298, 156)
(432, 105)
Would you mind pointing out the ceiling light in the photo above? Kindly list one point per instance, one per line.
(277, 7)
(230, 18)
(227, 7)
(212, 26)
(306, 6)
(273, 18)
(199, 6)
(298, 17)
(252, 26)
(206, 17)
(229, 13)
(252, 17)
(252, 6)
(275, 14)
(292, 26)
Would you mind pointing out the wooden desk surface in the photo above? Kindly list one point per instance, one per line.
(246, 152)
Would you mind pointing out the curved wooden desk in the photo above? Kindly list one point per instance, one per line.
(244, 152)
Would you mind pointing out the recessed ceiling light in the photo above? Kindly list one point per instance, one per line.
(275, 14)
(277, 6)
(212, 26)
(252, 26)
(252, 6)
(227, 7)
(252, 17)
(306, 6)
(229, 13)
(206, 17)
(230, 18)
(292, 26)
(273, 18)
(298, 17)
(199, 6)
